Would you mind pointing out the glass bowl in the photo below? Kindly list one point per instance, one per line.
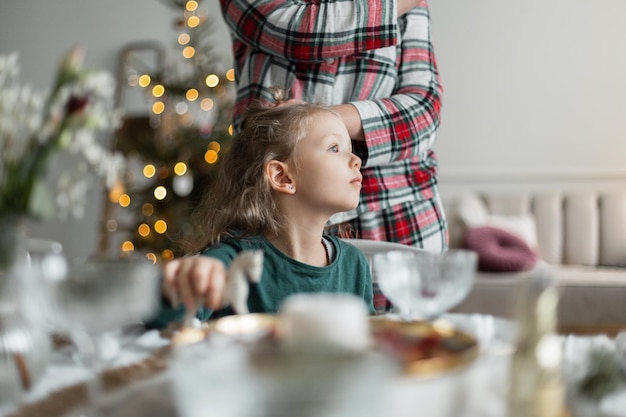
(424, 285)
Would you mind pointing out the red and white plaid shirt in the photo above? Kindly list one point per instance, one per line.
(350, 51)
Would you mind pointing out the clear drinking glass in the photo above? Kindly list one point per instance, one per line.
(99, 296)
(424, 285)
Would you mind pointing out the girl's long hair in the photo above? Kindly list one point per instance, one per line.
(240, 202)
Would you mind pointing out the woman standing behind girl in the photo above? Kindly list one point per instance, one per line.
(288, 170)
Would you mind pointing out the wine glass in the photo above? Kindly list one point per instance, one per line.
(424, 285)
(99, 296)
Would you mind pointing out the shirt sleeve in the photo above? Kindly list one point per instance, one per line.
(404, 126)
(311, 31)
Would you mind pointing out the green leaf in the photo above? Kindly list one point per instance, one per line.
(41, 202)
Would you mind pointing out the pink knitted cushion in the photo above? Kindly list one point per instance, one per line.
(499, 250)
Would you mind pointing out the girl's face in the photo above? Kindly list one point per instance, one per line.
(327, 174)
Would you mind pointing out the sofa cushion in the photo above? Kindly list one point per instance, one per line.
(498, 250)
(473, 212)
(588, 295)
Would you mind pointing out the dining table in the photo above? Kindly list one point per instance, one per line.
(140, 379)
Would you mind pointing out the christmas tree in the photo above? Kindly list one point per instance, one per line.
(173, 149)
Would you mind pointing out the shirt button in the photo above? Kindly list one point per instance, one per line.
(330, 60)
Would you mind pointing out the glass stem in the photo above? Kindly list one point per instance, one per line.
(87, 346)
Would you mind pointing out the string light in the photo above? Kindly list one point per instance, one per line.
(124, 200)
(193, 21)
(152, 257)
(149, 170)
(212, 80)
(180, 168)
(230, 74)
(206, 104)
(128, 246)
(167, 255)
(158, 107)
(192, 94)
(163, 172)
(160, 226)
(116, 192)
(158, 90)
(182, 107)
(111, 225)
(160, 192)
(210, 156)
(214, 146)
(144, 80)
(147, 209)
(133, 79)
(189, 52)
(191, 5)
(183, 39)
(143, 230)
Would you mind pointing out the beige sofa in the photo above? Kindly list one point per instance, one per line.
(580, 235)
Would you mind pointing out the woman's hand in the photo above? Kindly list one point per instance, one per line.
(194, 280)
(406, 5)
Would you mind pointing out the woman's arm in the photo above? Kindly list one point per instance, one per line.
(405, 124)
(301, 31)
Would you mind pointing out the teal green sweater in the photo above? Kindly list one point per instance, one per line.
(284, 276)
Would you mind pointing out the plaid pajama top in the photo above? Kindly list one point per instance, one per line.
(350, 51)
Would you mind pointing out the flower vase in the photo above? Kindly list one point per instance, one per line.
(25, 346)
(13, 259)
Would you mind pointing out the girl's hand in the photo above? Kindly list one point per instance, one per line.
(194, 280)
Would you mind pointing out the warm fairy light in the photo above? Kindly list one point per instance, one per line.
(160, 226)
(144, 80)
(147, 209)
(214, 145)
(212, 80)
(133, 79)
(180, 168)
(167, 255)
(158, 107)
(158, 90)
(189, 52)
(192, 94)
(160, 192)
(163, 172)
(206, 104)
(210, 156)
(191, 5)
(116, 191)
(193, 21)
(230, 74)
(152, 257)
(149, 170)
(111, 225)
(230, 130)
(143, 230)
(181, 107)
(183, 39)
(124, 200)
(128, 246)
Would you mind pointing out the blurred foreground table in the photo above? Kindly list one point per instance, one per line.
(140, 384)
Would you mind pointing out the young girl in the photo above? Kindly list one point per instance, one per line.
(288, 170)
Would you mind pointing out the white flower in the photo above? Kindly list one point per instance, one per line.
(36, 125)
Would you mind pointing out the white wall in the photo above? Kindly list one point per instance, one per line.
(533, 89)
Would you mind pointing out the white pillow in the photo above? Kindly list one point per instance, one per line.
(474, 213)
(522, 226)
(472, 210)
